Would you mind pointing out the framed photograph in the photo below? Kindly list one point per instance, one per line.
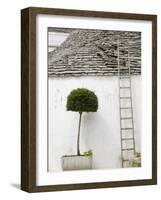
(89, 99)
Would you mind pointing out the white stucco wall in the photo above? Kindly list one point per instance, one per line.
(100, 131)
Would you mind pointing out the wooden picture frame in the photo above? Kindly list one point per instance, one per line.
(28, 98)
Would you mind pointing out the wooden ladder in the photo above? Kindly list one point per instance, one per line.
(126, 112)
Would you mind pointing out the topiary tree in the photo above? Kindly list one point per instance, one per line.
(81, 100)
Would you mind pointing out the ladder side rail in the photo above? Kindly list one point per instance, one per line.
(129, 66)
(132, 115)
(118, 63)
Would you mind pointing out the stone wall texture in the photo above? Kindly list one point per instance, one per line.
(95, 53)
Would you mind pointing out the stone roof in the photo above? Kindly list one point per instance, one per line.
(94, 52)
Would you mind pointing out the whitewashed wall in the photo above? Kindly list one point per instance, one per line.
(100, 131)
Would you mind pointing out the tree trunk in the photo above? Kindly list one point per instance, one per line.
(78, 139)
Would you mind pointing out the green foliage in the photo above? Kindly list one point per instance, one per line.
(136, 164)
(82, 100)
(137, 160)
(137, 154)
(88, 153)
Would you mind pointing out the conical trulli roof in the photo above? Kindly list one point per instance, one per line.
(94, 52)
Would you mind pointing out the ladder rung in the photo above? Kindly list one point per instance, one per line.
(127, 138)
(125, 87)
(124, 77)
(125, 97)
(127, 128)
(123, 67)
(128, 149)
(126, 57)
(125, 107)
(125, 160)
(124, 118)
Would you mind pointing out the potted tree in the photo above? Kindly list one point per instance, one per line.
(80, 100)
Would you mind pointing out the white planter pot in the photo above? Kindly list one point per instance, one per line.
(76, 162)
